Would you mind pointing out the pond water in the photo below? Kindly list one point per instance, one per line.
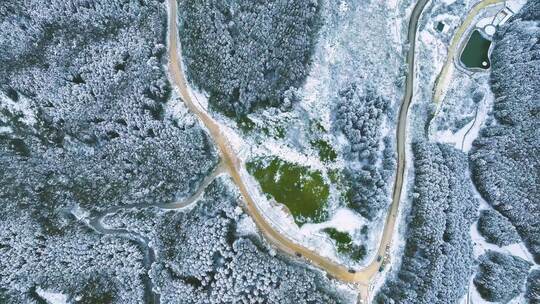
(476, 52)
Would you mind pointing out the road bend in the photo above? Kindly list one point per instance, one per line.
(234, 166)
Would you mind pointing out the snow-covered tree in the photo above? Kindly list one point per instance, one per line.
(497, 229)
(533, 287)
(500, 277)
(359, 116)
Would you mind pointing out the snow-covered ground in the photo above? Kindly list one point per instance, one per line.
(455, 108)
(346, 52)
(460, 118)
(52, 297)
(21, 108)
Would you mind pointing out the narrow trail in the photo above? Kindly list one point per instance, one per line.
(150, 296)
(96, 223)
(363, 277)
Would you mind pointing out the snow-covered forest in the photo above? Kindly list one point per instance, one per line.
(248, 54)
(86, 114)
(204, 259)
(501, 277)
(359, 117)
(505, 159)
(98, 154)
(438, 258)
(88, 122)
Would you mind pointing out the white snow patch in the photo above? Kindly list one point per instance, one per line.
(343, 220)
(454, 139)
(490, 30)
(484, 21)
(79, 212)
(176, 108)
(289, 154)
(52, 297)
(343, 7)
(519, 250)
(515, 5)
(348, 292)
(246, 226)
(22, 106)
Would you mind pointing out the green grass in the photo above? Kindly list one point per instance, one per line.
(341, 184)
(303, 191)
(325, 150)
(274, 129)
(345, 245)
(316, 126)
(244, 123)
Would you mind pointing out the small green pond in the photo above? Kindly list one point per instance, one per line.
(476, 52)
(440, 26)
(302, 190)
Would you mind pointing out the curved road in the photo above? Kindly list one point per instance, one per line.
(236, 170)
(443, 78)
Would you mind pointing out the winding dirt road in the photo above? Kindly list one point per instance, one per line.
(363, 277)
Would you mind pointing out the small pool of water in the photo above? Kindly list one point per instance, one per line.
(476, 52)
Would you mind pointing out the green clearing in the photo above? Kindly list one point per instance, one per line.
(345, 245)
(476, 52)
(303, 191)
(325, 150)
(339, 181)
(244, 123)
(274, 129)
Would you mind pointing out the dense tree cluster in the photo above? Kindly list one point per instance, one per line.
(497, 229)
(86, 122)
(500, 277)
(359, 116)
(203, 260)
(533, 287)
(75, 262)
(248, 53)
(83, 108)
(505, 159)
(438, 257)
